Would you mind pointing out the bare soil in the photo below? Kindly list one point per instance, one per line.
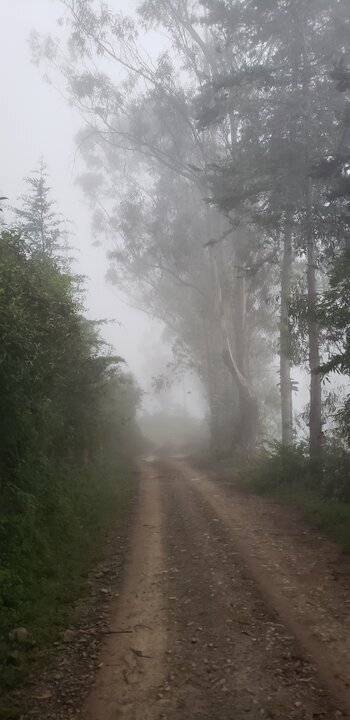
(230, 608)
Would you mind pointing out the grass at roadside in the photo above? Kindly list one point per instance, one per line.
(322, 498)
(44, 566)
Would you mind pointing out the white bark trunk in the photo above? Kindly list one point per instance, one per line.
(285, 368)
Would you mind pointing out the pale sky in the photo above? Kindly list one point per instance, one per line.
(36, 121)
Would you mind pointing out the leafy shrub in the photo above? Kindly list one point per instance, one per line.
(67, 420)
(321, 493)
(275, 466)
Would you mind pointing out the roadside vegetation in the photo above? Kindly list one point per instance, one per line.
(67, 435)
(321, 494)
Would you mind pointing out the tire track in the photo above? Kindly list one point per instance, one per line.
(229, 654)
(132, 661)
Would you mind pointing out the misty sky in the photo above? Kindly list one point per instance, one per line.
(35, 122)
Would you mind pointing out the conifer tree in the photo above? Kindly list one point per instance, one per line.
(41, 227)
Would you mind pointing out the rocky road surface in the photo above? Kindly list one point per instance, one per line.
(230, 609)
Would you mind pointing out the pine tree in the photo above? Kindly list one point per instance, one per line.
(40, 226)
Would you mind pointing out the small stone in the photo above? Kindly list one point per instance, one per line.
(68, 636)
(19, 635)
(43, 695)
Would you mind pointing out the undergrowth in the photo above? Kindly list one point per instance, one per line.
(321, 493)
(44, 569)
(68, 418)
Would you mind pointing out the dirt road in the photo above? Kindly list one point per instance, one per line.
(229, 610)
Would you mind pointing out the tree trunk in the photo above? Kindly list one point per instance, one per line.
(248, 426)
(235, 359)
(315, 418)
(222, 392)
(285, 378)
(211, 383)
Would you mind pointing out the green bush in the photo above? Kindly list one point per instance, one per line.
(67, 431)
(322, 493)
(274, 467)
(44, 568)
(277, 467)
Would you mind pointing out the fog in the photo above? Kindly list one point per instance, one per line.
(36, 122)
(140, 170)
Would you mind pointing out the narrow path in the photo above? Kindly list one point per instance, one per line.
(207, 634)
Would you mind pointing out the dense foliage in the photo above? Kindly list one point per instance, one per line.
(67, 432)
